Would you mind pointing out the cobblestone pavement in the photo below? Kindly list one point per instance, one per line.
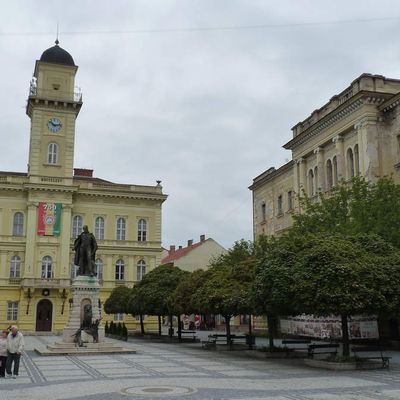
(161, 370)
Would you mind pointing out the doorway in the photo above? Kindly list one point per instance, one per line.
(44, 316)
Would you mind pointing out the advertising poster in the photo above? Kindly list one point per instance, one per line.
(49, 219)
(360, 327)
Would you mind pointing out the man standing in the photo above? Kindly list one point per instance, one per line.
(15, 346)
(85, 247)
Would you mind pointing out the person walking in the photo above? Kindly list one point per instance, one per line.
(3, 353)
(15, 346)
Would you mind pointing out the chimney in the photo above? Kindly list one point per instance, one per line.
(83, 172)
(180, 247)
(172, 249)
(202, 238)
(190, 242)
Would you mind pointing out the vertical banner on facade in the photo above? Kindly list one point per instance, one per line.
(49, 219)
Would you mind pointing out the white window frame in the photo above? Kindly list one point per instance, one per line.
(120, 270)
(18, 224)
(140, 270)
(119, 317)
(99, 228)
(142, 230)
(47, 267)
(12, 311)
(15, 267)
(52, 153)
(121, 228)
(99, 268)
(77, 225)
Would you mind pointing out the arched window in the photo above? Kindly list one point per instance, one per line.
(311, 183)
(350, 163)
(52, 153)
(121, 228)
(99, 268)
(99, 228)
(356, 160)
(316, 183)
(140, 270)
(142, 230)
(47, 263)
(15, 267)
(119, 270)
(329, 174)
(335, 171)
(18, 224)
(77, 223)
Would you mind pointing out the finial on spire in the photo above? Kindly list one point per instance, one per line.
(57, 41)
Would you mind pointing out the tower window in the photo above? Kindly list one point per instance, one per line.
(47, 263)
(52, 154)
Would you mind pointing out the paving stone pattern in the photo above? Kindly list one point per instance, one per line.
(172, 371)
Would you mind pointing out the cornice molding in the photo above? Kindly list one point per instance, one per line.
(347, 108)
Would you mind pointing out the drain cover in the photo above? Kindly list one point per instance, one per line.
(157, 390)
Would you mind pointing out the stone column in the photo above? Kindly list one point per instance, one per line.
(65, 242)
(302, 176)
(319, 151)
(30, 264)
(368, 147)
(339, 144)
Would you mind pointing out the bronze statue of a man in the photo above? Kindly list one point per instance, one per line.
(85, 247)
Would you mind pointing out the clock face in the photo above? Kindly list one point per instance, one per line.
(54, 124)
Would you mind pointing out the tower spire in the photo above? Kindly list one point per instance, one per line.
(57, 41)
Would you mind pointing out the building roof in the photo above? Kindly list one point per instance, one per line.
(57, 55)
(174, 255)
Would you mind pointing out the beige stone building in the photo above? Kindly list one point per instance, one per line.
(356, 133)
(43, 210)
(195, 255)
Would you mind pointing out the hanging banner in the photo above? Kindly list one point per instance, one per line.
(360, 327)
(49, 219)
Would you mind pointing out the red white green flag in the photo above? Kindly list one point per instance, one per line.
(49, 219)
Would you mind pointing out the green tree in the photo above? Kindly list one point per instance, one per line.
(118, 300)
(137, 305)
(156, 289)
(356, 208)
(333, 275)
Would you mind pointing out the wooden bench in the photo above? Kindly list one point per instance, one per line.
(296, 344)
(373, 353)
(238, 339)
(326, 348)
(218, 338)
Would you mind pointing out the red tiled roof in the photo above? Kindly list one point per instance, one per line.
(174, 255)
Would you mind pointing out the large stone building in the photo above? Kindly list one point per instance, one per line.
(43, 210)
(356, 133)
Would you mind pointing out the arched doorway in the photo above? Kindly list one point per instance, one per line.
(44, 316)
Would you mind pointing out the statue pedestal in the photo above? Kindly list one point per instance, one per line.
(85, 290)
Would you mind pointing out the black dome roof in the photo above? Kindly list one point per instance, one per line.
(57, 55)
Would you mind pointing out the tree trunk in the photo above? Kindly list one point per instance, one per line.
(179, 328)
(250, 333)
(159, 325)
(228, 329)
(171, 326)
(271, 327)
(141, 324)
(345, 336)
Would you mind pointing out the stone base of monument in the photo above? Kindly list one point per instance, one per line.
(85, 294)
(62, 348)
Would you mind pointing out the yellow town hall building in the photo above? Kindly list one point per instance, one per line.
(43, 210)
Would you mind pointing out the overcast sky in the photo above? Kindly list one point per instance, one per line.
(203, 110)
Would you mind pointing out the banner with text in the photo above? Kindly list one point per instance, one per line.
(360, 327)
(49, 219)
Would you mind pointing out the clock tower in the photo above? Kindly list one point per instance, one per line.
(53, 106)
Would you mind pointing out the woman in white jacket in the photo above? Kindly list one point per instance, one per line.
(15, 346)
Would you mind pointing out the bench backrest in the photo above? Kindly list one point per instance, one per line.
(366, 349)
(323, 346)
(296, 341)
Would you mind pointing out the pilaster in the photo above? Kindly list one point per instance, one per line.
(30, 240)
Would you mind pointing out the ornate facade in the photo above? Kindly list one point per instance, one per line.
(356, 133)
(44, 209)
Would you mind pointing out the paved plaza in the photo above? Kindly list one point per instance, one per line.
(161, 370)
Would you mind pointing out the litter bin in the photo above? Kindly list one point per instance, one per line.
(250, 340)
(171, 331)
